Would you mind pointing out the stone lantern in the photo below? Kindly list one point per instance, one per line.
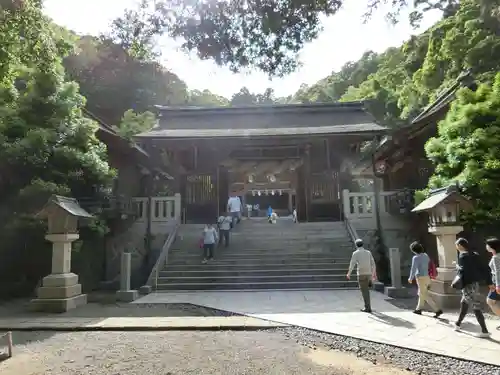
(60, 291)
(443, 207)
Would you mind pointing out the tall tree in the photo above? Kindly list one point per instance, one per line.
(46, 144)
(467, 148)
(241, 34)
(113, 81)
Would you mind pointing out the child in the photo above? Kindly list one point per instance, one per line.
(210, 238)
(224, 224)
(294, 215)
(420, 272)
(493, 300)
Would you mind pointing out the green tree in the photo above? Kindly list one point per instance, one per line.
(205, 98)
(246, 34)
(133, 123)
(46, 144)
(467, 148)
(113, 81)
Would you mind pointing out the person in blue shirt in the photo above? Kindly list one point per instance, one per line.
(420, 272)
(269, 213)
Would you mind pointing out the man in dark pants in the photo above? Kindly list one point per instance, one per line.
(363, 260)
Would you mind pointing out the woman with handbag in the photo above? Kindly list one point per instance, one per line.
(420, 265)
(470, 274)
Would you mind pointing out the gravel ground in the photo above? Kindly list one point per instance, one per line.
(257, 352)
(282, 351)
(417, 362)
(169, 353)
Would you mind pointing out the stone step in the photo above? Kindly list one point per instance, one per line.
(230, 272)
(238, 250)
(241, 249)
(283, 285)
(260, 261)
(251, 279)
(222, 256)
(252, 267)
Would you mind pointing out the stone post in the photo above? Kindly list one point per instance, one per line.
(396, 290)
(177, 206)
(441, 289)
(125, 294)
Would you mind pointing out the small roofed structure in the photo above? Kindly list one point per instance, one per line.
(63, 214)
(444, 205)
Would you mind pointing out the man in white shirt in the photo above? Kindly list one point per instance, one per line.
(234, 208)
(224, 223)
(363, 260)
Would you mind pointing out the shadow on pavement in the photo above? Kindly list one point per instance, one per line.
(391, 320)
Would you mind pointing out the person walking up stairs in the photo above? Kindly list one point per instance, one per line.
(363, 260)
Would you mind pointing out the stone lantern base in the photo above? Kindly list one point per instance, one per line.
(441, 291)
(60, 291)
(445, 296)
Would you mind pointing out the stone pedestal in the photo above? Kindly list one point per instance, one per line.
(125, 294)
(60, 291)
(441, 290)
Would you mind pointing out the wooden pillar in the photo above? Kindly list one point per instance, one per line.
(307, 175)
(218, 189)
(195, 157)
(328, 160)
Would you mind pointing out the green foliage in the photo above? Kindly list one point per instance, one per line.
(134, 123)
(113, 81)
(205, 98)
(398, 83)
(244, 97)
(245, 34)
(46, 145)
(467, 149)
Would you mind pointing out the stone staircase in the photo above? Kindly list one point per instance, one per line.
(262, 256)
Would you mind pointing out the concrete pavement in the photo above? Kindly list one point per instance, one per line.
(54, 323)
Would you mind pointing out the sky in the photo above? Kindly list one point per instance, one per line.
(344, 38)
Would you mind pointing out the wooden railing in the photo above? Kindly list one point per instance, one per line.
(163, 257)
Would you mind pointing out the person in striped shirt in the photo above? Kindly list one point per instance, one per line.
(493, 300)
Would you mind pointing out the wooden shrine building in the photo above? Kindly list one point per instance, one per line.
(286, 156)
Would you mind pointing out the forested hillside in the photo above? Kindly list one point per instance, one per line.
(401, 81)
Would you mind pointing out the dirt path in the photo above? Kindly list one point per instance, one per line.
(175, 353)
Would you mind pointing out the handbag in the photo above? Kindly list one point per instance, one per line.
(457, 283)
(432, 270)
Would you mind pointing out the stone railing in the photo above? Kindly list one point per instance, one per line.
(164, 210)
(359, 209)
(162, 259)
